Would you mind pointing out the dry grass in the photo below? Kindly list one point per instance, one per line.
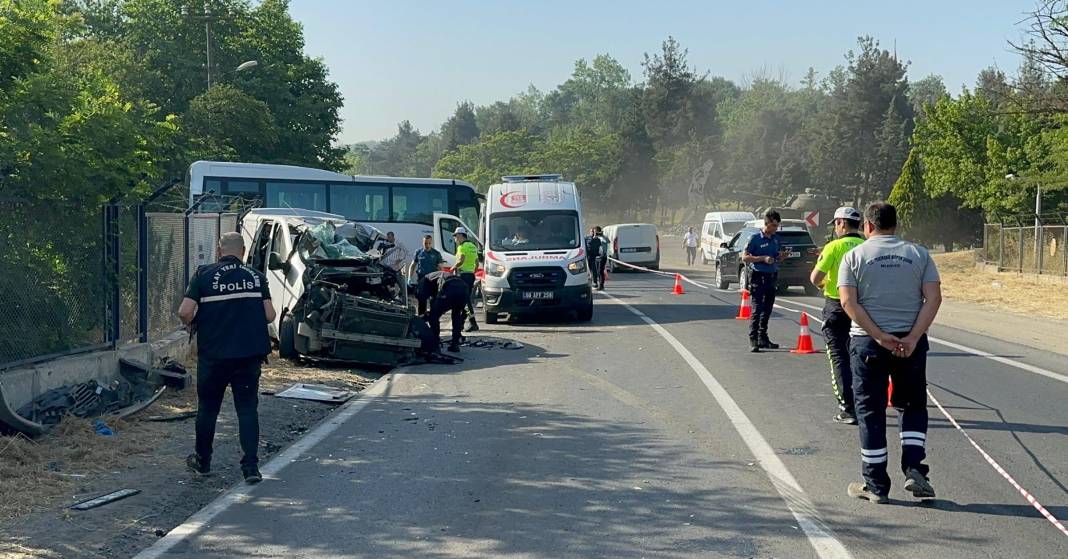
(1020, 294)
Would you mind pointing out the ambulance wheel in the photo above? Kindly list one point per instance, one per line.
(586, 314)
(287, 338)
(492, 317)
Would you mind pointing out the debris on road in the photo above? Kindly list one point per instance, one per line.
(491, 343)
(173, 417)
(101, 428)
(316, 393)
(104, 499)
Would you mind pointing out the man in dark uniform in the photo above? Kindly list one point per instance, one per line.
(230, 304)
(762, 256)
(426, 260)
(596, 252)
(449, 292)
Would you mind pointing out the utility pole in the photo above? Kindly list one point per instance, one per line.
(205, 14)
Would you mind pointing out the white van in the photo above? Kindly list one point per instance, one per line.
(535, 261)
(718, 228)
(633, 243)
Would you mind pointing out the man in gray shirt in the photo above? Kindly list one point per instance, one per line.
(891, 290)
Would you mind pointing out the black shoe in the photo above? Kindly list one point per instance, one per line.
(918, 484)
(768, 344)
(860, 490)
(198, 466)
(472, 328)
(252, 474)
(844, 417)
(600, 288)
(754, 346)
(454, 347)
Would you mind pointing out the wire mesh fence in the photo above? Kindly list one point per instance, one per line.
(53, 288)
(166, 271)
(1029, 249)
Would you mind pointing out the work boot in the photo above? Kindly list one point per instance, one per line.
(765, 343)
(600, 287)
(473, 327)
(251, 473)
(918, 484)
(754, 346)
(859, 490)
(844, 417)
(197, 465)
(454, 347)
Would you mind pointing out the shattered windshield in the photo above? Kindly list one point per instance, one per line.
(338, 241)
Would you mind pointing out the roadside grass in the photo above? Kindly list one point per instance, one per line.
(1014, 293)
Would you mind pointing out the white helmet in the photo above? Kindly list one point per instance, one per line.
(460, 231)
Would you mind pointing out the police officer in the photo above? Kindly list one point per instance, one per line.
(426, 260)
(230, 305)
(449, 292)
(466, 264)
(596, 252)
(762, 255)
(891, 290)
(836, 322)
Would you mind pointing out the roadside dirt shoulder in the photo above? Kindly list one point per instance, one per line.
(40, 478)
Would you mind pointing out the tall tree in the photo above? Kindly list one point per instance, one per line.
(461, 128)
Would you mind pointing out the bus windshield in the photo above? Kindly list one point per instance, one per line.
(534, 230)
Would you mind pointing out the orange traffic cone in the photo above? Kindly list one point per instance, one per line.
(745, 311)
(678, 286)
(890, 394)
(804, 340)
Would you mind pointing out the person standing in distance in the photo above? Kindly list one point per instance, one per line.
(762, 256)
(891, 289)
(426, 260)
(689, 242)
(466, 264)
(231, 305)
(596, 249)
(836, 322)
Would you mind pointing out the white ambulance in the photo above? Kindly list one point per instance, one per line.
(535, 258)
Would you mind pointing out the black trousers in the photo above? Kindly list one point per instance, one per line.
(243, 377)
(762, 293)
(469, 279)
(452, 298)
(873, 367)
(597, 265)
(422, 295)
(836, 324)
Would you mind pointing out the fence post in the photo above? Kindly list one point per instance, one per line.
(1040, 240)
(142, 273)
(1021, 248)
(1001, 245)
(1064, 246)
(115, 271)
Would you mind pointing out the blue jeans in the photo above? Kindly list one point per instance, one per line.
(873, 367)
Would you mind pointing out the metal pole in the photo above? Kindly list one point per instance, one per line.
(1001, 245)
(1038, 227)
(1021, 246)
(142, 273)
(115, 273)
(207, 35)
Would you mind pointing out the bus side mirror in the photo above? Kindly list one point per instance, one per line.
(275, 262)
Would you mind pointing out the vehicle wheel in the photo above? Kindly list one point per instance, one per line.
(586, 314)
(721, 282)
(812, 290)
(287, 338)
(492, 317)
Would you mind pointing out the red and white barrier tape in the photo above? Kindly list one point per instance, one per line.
(661, 272)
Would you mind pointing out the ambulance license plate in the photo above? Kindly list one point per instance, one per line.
(536, 295)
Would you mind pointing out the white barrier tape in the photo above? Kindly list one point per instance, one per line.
(661, 272)
(993, 463)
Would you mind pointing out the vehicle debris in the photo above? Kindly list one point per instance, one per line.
(101, 428)
(491, 343)
(316, 393)
(104, 499)
(173, 417)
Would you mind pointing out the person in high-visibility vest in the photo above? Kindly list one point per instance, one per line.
(466, 264)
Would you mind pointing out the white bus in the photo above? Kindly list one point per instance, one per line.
(409, 207)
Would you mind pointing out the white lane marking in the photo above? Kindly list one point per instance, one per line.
(989, 460)
(819, 534)
(242, 492)
(1003, 360)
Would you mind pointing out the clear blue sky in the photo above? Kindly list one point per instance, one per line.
(415, 60)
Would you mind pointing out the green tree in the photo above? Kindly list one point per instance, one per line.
(228, 124)
(494, 156)
(461, 128)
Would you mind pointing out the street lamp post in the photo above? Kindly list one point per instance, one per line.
(1038, 222)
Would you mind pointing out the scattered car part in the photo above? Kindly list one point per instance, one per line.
(316, 393)
(104, 499)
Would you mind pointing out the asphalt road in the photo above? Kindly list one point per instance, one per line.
(621, 439)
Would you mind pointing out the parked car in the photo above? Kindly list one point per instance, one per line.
(798, 249)
(633, 243)
(718, 228)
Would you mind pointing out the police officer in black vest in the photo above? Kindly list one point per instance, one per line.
(230, 306)
(448, 292)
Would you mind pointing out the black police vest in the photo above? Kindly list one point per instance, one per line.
(230, 319)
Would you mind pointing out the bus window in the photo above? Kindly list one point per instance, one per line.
(246, 189)
(359, 202)
(418, 204)
(308, 196)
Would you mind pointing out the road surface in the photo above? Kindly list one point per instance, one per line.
(653, 432)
